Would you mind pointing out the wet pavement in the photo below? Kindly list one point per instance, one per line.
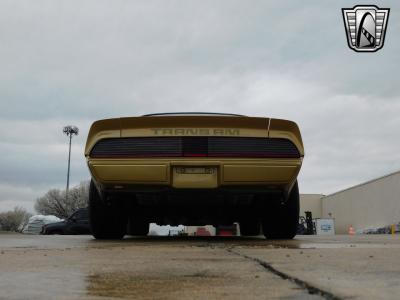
(308, 267)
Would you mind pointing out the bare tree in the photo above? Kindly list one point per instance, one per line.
(14, 220)
(55, 203)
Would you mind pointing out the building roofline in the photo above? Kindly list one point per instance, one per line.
(363, 183)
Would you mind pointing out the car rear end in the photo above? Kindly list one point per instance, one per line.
(190, 161)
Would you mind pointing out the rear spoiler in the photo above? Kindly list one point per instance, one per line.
(193, 125)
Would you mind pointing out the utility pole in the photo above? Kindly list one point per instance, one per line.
(69, 131)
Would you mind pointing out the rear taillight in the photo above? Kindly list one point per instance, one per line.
(244, 147)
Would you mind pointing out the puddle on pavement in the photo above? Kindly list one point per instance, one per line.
(334, 246)
(130, 285)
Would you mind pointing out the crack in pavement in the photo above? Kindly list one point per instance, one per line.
(312, 290)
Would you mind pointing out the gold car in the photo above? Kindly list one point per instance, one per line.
(194, 169)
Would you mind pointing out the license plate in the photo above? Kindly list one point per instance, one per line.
(195, 170)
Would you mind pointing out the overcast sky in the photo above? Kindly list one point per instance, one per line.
(73, 62)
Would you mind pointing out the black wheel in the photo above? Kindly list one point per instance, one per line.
(138, 226)
(107, 221)
(281, 220)
(249, 228)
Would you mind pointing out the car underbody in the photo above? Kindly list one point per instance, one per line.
(220, 206)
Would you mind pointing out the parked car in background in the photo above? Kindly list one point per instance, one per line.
(77, 223)
(36, 223)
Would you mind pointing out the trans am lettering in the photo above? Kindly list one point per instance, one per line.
(196, 131)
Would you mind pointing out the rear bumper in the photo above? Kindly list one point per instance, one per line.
(127, 174)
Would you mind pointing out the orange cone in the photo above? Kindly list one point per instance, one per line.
(351, 230)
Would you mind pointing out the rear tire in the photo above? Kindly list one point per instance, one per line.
(249, 228)
(107, 221)
(282, 219)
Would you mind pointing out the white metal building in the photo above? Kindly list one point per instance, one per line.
(372, 204)
(313, 203)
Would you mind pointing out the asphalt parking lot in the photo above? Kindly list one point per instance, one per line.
(308, 267)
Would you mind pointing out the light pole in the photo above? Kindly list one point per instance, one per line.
(69, 131)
